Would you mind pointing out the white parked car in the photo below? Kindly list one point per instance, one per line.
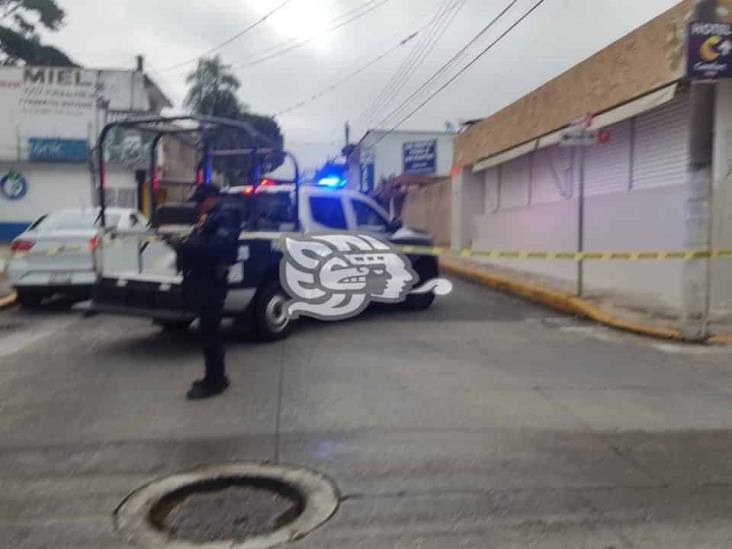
(59, 252)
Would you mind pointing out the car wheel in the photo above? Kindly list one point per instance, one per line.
(28, 298)
(426, 269)
(419, 302)
(270, 314)
(173, 326)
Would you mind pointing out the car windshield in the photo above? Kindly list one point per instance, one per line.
(72, 220)
(271, 210)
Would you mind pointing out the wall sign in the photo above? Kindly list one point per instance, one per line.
(710, 51)
(41, 149)
(13, 185)
(420, 157)
(367, 175)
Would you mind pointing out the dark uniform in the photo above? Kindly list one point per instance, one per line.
(204, 258)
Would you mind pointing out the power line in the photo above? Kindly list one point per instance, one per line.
(427, 48)
(353, 74)
(301, 43)
(232, 38)
(466, 67)
(454, 59)
(412, 61)
(333, 21)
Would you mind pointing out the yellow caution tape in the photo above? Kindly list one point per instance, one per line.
(527, 255)
(684, 255)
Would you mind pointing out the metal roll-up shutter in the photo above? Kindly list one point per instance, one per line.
(661, 146)
(607, 166)
(552, 174)
(491, 190)
(515, 183)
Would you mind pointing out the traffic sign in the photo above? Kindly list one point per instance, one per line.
(581, 137)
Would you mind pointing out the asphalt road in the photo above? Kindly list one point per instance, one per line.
(483, 422)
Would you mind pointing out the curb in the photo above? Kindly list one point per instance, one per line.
(566, 303)
(8, 300)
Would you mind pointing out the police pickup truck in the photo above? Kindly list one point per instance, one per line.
(255, 296)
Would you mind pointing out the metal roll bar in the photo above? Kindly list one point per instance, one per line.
(164, 125)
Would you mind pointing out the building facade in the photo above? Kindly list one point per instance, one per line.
(518, 187)
(51, 117)
(385, 154)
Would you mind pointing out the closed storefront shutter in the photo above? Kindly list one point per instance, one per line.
(607, 166)
(491, 190)
(661, 149)
(515, 176)
(552, 175)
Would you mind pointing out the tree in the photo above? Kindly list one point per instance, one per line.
(213, 91)
(19, 38)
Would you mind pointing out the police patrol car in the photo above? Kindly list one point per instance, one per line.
(256, 296)
(153, 288)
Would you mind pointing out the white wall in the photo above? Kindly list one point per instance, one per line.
(50, 186)
(634, 201)
(722, 209)
(388, 152)
(54, 186)
(61, 102)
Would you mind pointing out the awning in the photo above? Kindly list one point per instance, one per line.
(608, 118)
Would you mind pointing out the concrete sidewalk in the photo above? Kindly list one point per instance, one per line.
(640, 314)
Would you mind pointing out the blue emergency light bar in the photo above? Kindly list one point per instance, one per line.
(332, 182)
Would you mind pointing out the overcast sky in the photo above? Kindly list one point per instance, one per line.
(558, 35)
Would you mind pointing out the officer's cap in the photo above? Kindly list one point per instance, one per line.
(202, 192)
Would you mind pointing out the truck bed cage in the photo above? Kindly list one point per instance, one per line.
(202, 125)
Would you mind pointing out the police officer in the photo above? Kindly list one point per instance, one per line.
(204, 257)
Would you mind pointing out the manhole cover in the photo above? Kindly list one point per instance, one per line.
(227, 509)
(230, 506)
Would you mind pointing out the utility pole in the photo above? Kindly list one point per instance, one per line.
(696, 283)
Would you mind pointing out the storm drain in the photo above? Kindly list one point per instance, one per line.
(231, 506)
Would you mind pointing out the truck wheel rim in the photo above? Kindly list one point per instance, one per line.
(276, 313)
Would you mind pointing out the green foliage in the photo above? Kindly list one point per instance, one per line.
(213, 91)
(19, 39)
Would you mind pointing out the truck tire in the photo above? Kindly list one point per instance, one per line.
(29, 298)
(270, 317)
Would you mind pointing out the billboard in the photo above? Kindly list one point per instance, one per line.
(420, 157)
(62, 104)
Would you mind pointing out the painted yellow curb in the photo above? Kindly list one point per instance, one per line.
(8, 300)
(565, 302)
